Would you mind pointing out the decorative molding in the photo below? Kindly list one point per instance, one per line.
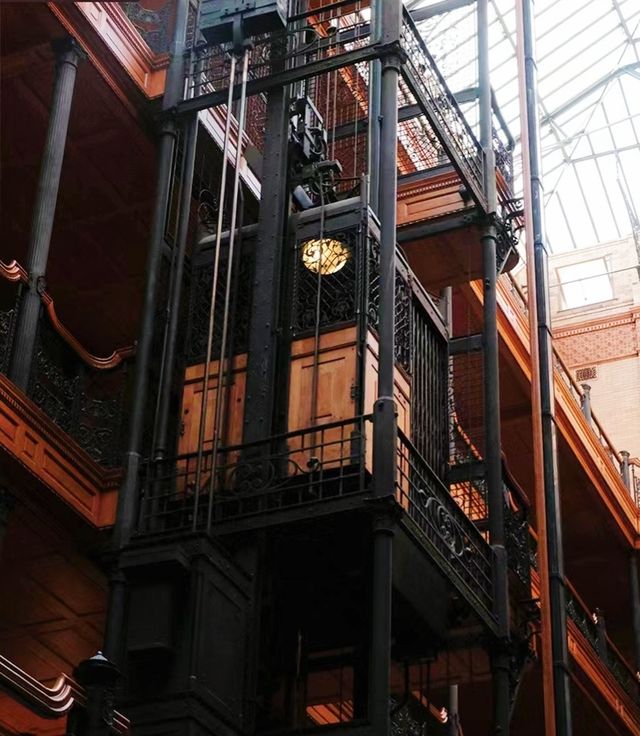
(54, 459)
(15, 272)
(109, 21)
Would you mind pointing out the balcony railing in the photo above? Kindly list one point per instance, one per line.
(451, 537)
(591, 626)
(286, 471)
(84, 401)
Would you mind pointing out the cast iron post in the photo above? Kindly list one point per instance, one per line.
(557, 584)
(492, 450)
(635, 607)
(585, 401)
(68, 55)
(624, 469)
(384, 416)
(263, 335)
(128, 496)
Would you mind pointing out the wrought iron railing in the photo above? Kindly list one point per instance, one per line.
(451, 537)
(438, 103)
(286, 471)
(592, 629)
(86, 403)
(519, 543)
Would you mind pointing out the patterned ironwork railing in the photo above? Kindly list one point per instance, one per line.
(439, 105)
(450, 536)
(595, 634)
(285, 471)
(520, 545)
(85, 403)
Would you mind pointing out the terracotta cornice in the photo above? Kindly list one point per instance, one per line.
(49, 702)
(54, 459)
(15, 272)
(628, 317)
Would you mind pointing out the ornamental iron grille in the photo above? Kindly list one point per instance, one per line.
(85, 403)
(240, 301)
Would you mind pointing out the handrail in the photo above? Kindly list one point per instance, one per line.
(612, 656)
(13, 271)
(49, 702)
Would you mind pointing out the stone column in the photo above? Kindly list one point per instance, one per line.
(68, 55)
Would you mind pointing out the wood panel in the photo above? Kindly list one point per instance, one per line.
(438, 195)
(233, 407)
(336, 381)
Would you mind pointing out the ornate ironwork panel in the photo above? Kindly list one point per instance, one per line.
(200, 305)
(290, 470)
(451, 538)
(329, 299)
(88, 407)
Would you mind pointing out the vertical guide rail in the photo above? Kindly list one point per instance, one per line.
(493, 456)
(220, 394)
(385, 428)
(214, 289)
(555, 659)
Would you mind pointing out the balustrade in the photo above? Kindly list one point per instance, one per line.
(84, 401)
(594, 633)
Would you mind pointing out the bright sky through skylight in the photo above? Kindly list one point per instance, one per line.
(588, 55)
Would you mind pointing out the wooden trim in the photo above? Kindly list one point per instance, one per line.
(109, 21)
(32, 439)
(49, 702)
(15, 272)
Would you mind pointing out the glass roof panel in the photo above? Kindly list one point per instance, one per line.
(588, 60)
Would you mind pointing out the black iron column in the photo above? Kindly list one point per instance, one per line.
(635, 607)
(384, 419)
(493, 447)
(68, 55)
(373, 133)
(263, 336)
(128, 496)
(190, 138)
(557, 585)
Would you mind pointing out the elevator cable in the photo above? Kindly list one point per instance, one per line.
(214, 288)
(227, 294)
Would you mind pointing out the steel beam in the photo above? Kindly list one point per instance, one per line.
(446, 6)
(284, 78)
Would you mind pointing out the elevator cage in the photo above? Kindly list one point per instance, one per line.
(333, 309)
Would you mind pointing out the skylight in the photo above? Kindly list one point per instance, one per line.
(585, 283)
(588, 56)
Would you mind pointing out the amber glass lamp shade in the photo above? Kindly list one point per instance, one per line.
(324, 255)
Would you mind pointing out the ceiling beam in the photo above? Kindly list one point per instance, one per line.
(420, 14)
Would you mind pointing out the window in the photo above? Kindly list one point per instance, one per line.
(585, 283)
